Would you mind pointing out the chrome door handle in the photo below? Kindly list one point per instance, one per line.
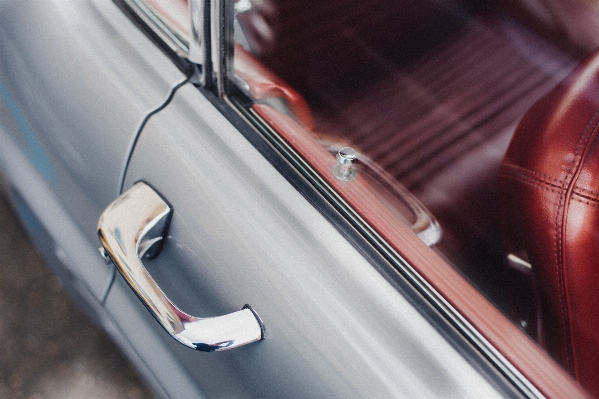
(134, 225)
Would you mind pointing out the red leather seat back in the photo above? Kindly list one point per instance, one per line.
(549, 193)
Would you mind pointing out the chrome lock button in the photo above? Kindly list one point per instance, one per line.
(345, 170)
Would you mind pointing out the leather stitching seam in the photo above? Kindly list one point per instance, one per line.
(593, 202)
(515, 169)
(531, 180)
(560, 223)
(586, 192)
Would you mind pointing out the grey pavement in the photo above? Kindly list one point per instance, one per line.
(48, 347)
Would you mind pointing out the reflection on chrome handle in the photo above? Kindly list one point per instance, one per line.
(134, 225)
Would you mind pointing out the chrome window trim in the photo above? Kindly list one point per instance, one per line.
(222, 56)
(178, 44)
(220, 36)
(190, 54)
(198, 44)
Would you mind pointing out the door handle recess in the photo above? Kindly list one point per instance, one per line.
(135, 225)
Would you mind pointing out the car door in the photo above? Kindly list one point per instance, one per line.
(248, 229)
(241, 233)
(101, 97)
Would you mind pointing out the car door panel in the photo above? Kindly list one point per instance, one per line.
(76, 80)
(150, 346)
(241, 233)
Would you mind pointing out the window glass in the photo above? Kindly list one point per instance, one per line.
(174, 13)
(428, 94)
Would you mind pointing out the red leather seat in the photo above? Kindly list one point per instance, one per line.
(549, 193)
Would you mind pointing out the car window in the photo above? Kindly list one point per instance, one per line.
(405, 110)
(414, 90)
